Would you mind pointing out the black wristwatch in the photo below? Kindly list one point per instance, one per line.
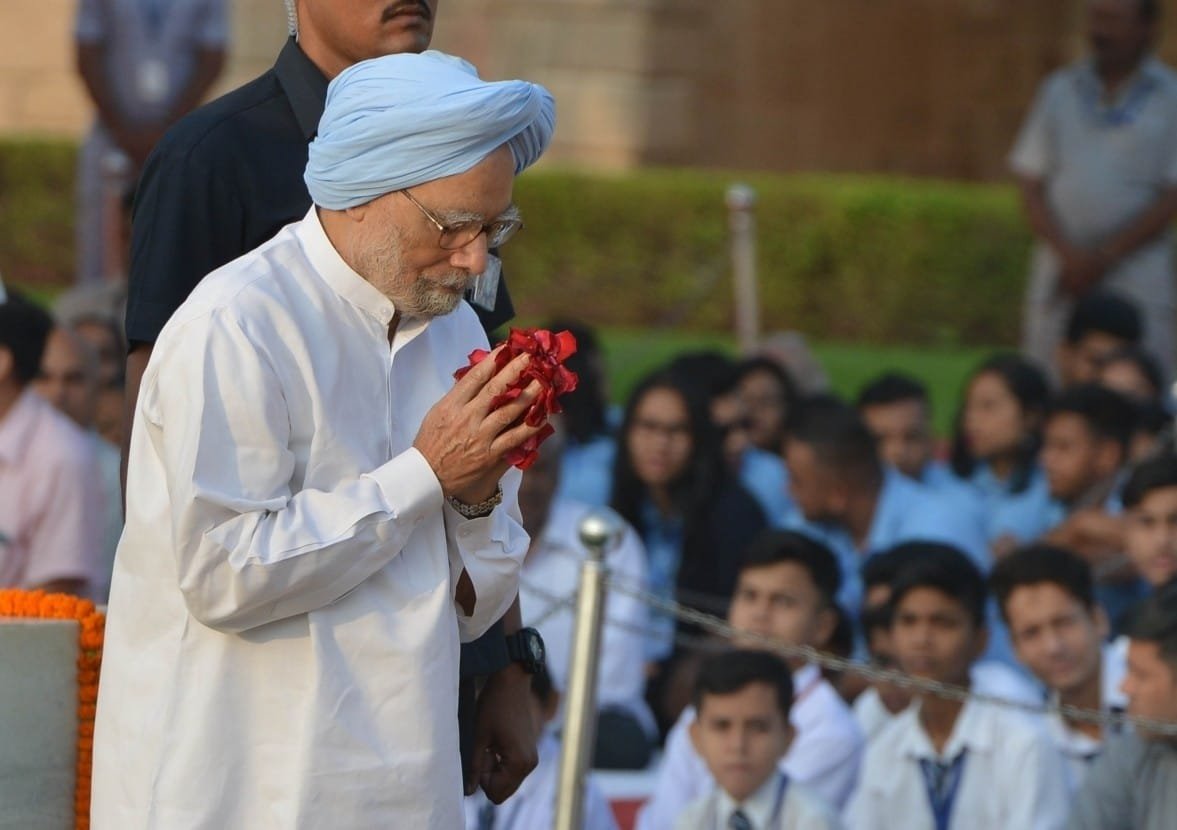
(526, 648)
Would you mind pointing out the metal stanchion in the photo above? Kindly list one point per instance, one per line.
(741, 200)
(599, 531)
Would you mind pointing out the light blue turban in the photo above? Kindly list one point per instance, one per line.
(403, 120)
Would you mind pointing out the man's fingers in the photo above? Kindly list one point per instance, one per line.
(506, 776)
(475, 380)
(478, 766)
(501, 383)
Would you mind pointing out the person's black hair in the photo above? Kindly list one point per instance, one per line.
(772, 547)
(1107, 414)
(1028, 385)
(759, 364)
(711, 370)
(838, 437)
(1152, 418)
(24, 330)
(586, 413)
(1105, 312)
(694, 492)
(1149, 10)
(1155, 473)
(892, 387)
(947, 570)
(882, 569)
(1042, 564)
(1154, 620)
(733, 671)
(1144, 362)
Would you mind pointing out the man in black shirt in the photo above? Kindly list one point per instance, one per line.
(224, 180)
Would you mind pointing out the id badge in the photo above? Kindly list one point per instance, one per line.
(151, 80)
(486, 284)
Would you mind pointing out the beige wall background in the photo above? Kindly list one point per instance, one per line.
(928, 87)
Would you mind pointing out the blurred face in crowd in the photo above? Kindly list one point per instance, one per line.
(1081, 362)
(1074, 458)
(882, 655)
(1055, 635)
(904, 434)
(781, 601)
(659, 440)
(994, 422)
(742, 736)
(1118, 34)
(1125, 377)
(69, 376)
(1151, 536)
(813, 485)
(730, 417)
(107, 346)
(1150, 683)
(337, 33)
(934, 636)
(765, 404)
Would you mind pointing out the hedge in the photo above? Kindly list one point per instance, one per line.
(873, 259)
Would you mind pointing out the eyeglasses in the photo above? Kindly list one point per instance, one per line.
(498, 232)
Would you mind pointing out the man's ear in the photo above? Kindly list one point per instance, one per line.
(7, 364)
(827, 623)
(980, 642)
(696, 736)
(1109, 456)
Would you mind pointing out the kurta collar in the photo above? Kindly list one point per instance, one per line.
(329, 265)
(305, 86)
(16, 430)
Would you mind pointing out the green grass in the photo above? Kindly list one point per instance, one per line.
(630, 354)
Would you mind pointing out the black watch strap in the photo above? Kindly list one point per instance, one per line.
(526, 647)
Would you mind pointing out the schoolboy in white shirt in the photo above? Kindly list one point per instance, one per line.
(1047, 597)
(945, 764)
(742, 730)
(785, 590)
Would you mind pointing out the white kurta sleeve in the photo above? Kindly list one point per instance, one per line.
(248, 550)
(491, 551)
(1033, 154)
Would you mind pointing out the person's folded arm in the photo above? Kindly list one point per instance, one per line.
(250, 550)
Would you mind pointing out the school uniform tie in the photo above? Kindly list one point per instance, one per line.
(739, 821)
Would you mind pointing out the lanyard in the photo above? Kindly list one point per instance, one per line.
(778, 805)
(942, 782)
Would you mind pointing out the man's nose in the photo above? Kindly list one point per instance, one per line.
(473, 256)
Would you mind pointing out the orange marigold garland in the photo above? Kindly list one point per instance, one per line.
(39, 605)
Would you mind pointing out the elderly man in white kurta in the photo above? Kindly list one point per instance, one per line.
(316, 512)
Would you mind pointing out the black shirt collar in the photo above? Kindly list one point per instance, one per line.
(304, 84)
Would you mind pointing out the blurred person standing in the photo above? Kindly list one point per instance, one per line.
(50, 510)
(144, 63)
(1096, 160)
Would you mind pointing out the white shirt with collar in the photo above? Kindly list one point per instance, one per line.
(824, 756)
(552, 567)
(1078, 748)
(800, 809)
(282, 639)
(1011, 776)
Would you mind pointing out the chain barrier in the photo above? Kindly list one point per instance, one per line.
(718, 626)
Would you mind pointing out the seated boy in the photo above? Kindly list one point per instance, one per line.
(1150, 505)
(1086, 440)
(1047, 597)
(742, 731)
(897, 410)
(944, 763)
(881, 702)
(786, 591)
(1133, 783)
(533, 805)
